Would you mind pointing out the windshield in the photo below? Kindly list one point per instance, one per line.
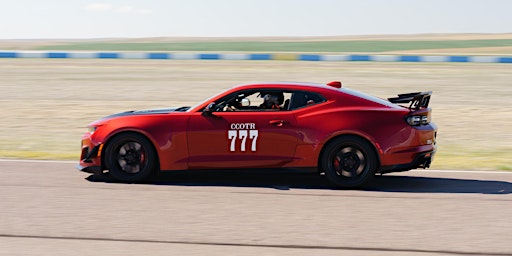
(210, 99)
(182, 109)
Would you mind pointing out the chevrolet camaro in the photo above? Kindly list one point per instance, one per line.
(341, 133)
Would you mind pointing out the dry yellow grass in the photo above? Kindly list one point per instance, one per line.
(46, 103)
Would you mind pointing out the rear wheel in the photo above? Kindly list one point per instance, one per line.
(130, 157)
(349, 161)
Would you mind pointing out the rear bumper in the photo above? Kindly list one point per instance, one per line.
(422, 160)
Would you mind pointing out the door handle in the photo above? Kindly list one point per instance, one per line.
(278, 123)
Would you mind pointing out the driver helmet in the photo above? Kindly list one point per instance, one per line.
(273, 100)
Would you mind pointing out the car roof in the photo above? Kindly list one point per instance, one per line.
(319, 87)
(326, 90)
(294, 85)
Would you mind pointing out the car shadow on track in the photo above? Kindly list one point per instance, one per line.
(438, 185)
(283, 180)
(280, 180)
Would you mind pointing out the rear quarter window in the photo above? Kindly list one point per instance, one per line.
(301, 99)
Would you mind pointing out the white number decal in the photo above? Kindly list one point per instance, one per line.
(242, 135)
(232, 137)
(253, 135)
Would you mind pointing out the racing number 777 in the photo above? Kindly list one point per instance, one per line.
(242, 135)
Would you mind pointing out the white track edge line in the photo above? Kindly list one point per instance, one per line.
(462, 171)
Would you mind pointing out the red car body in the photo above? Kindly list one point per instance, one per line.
(225, 132)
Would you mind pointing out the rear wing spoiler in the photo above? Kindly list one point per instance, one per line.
(417, 100)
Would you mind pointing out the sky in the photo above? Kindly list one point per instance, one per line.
(69, 19)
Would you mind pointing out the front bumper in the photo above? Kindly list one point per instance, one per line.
(90, 157)
(89, 169)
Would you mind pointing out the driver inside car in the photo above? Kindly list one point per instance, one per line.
(272, 101)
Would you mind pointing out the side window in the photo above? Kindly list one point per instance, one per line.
(302, 99)
(271, 100)
(257, 100)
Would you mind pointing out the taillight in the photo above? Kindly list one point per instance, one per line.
(418, 120)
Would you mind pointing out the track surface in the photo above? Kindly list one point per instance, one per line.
(49, 208)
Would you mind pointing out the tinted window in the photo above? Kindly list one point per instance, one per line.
(301, 99)
(255, 100)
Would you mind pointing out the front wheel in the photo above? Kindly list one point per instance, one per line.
(349, 161)
(130, 157)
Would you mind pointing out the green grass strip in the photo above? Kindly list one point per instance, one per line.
(251, 46)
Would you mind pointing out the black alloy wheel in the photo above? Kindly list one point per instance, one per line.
(349, 161)
(130, 157)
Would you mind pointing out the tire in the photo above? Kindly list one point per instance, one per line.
(130, 157)
(349, 161)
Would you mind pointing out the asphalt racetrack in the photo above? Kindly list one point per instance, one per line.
(49, 208)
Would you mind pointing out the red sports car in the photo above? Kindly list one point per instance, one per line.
(347, 135)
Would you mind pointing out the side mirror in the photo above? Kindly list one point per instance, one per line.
(208, 111)
(245, 102)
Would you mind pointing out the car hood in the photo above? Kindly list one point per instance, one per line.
(148, 112)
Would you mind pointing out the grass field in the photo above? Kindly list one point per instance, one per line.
(385, 44)
(309, 46)
(46, 103)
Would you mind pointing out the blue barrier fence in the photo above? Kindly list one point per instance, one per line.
(252, 56)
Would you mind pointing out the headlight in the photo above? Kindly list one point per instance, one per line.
(92, 129)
